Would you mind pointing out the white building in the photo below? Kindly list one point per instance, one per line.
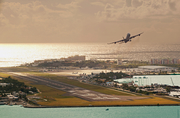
(4, 84)
(174, 93)
(12, 97)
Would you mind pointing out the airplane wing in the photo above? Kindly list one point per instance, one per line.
(135, 35)
(116, 42)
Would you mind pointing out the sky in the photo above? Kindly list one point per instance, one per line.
(89, 21)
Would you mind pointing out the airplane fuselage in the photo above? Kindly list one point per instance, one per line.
(127, 38)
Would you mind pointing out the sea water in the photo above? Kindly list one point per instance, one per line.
(91, 112)
(17, 54)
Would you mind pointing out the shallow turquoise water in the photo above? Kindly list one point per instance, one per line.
(91, 112)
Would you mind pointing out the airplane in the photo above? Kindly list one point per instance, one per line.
(127, 39)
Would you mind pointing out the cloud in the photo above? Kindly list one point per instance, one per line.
(137, 3)
(87, 21)
(172, 5)
(35, 12)
(35, 21)
(98, 4)
(139, 9)
(128, 3)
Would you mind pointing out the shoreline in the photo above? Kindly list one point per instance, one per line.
(100, 106)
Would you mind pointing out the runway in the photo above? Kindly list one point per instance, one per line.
(79, 92)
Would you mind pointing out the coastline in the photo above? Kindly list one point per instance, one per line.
(100, 106)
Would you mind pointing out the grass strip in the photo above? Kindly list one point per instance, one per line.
(83, 85)
(46, 92)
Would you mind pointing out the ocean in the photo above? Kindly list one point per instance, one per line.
(17, 54)
(91, 112)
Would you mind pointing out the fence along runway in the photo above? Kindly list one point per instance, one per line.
(73, 90)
